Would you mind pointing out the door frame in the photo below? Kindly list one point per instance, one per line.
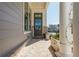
(41, 23)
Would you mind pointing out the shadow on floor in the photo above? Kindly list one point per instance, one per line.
(52, 51)
(32, 41)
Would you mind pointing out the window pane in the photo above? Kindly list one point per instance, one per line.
(26, 22)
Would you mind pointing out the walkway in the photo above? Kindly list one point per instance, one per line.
(35, 48)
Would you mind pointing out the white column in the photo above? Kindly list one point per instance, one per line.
(65, 30)
(76, 29)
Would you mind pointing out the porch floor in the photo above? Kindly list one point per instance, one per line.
(35, 48)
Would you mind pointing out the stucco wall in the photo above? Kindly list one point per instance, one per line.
(11, 26)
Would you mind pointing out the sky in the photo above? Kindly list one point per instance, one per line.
(53, 13)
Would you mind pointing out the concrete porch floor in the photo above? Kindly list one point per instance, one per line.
(35, 48)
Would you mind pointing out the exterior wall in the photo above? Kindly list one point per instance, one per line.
(11, 26)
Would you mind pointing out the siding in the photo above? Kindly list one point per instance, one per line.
(11, 26)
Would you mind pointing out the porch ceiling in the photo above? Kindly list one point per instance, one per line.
(38, 5)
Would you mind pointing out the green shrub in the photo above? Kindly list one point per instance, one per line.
(56, 36)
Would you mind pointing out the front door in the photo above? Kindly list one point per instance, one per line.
(37, 25)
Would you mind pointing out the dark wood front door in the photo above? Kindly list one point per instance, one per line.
(37, 25)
